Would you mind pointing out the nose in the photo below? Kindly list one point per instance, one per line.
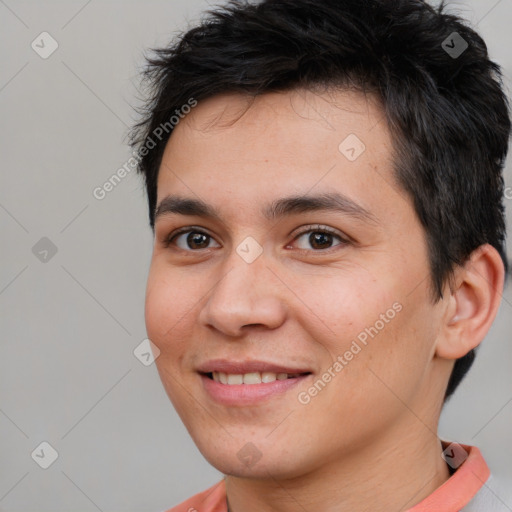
(245, 294)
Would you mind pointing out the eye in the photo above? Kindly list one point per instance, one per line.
(319, 238)
(195, 239)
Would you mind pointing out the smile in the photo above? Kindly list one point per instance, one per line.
(251, 378)
(249, 389)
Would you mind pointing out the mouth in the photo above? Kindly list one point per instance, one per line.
(249, 383)
(250, 388)
(251, 378)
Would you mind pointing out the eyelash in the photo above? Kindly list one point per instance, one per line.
(169, 240)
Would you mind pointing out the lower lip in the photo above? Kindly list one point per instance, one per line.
(247, 394)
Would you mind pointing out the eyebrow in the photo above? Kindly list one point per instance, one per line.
(286, 206)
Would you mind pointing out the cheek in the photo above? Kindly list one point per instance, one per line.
(159, 297)
(384, 334)
(166, 307)
(167, 311)
(396, 341)
(343, 307)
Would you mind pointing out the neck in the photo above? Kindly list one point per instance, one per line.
(378, 477)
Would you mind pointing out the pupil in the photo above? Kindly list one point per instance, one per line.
(319, 239)
(194, 240)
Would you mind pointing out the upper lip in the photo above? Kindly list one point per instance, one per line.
(241, 367)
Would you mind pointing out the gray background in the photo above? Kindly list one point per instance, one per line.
(68, 374)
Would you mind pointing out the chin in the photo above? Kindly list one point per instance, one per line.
(258, 468)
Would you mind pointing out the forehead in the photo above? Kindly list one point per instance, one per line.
(308, 116)
(237, 149)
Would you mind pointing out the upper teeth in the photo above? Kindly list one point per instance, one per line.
(250, 378)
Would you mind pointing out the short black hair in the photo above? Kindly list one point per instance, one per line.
(442, 96)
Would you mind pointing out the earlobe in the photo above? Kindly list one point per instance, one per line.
(473, 303)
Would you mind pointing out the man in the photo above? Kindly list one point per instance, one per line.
(325, 187)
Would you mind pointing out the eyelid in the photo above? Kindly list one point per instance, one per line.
(169, 239)
(312, 228)
(319, 227)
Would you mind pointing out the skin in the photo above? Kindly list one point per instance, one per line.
(368, 440)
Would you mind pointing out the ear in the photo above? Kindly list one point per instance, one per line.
(472, 303)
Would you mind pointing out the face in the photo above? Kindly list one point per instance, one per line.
(325, 297)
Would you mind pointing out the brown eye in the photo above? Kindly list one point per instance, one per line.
(197, 240)
(193, 241)
(320, 238)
